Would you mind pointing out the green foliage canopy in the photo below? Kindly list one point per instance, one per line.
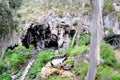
(6, 20)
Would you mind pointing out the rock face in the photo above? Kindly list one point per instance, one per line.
(54, 31)
(51, 31)
(43, 35)
(116, 29)
(116, 7)
(111, 22)
(11, 40)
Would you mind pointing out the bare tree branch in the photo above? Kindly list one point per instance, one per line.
(27, 69)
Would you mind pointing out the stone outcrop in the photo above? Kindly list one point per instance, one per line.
(116, 7)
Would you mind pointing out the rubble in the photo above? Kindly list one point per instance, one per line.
(48, 70)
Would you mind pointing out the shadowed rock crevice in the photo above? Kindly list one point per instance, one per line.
(43, 36)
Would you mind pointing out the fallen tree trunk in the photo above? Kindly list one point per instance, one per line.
(26, 70)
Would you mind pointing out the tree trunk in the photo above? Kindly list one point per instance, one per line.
(96, 31)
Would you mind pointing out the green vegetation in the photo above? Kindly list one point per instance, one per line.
(104, 72)
(42, 59)
(108, 7)
(55, 77)
(82, 70)
(6, 20)
(107, 54)
(111, 33)
(118, 15)
(12, 60)
(15, 3)
(115, 77)
(5, 76)
(85, 39)
(77, 50)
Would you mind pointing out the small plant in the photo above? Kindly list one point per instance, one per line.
(117, 66)
(82, 70)
(118, 15)
(111, 33)
(85, 39)
(5, 76)
(107, 54)
(108, 7)
(77, 50)
(56, 77)
(116, 77)
(60, 14)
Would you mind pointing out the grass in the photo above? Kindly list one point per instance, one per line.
(55, 77)
(77, 50)
(82, 70)
(108, 7)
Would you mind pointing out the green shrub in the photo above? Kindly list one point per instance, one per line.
(85, 39)
(13, 59)
(15, 4)
(77, 50)
(117, 66)
(6, 20)
(5, 76)
(104, 73)
(82, 70)
(116, 77)
(42, 59)
(56, 77)
(107, 54)
(111, 33)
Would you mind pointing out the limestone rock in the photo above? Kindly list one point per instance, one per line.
(116, 7)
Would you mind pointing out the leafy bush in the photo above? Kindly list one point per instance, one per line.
(76, 50)
(116, 77)
(111, 32)
(13, 59)
(5, 76)
(104, 73)
(82, 70)
(15, 4)
(42, 59)
(117, 66)
(56, 77)
(85, 39)
(6, 20)
(107, 54)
